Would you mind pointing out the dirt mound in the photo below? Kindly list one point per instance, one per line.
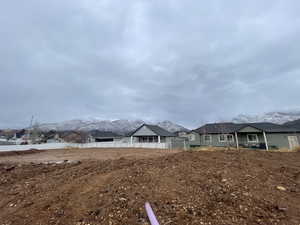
(15, 153)
(183, 188)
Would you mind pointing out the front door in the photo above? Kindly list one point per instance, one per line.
(293, 141)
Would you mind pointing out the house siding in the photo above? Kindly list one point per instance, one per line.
(144, 131)
(243, 140)
(215, 141)
(280, 140)
(275, 140)
(196, 142)
(249, 130)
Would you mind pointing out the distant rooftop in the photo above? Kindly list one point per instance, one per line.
(216, 128)
(156, 129)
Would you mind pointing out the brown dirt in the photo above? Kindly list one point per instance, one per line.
(183, 188)
(18, 153)
(79, 154)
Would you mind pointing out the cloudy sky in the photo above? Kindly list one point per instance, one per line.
(187, 61)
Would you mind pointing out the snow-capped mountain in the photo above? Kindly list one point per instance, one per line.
(118, 126)
(272, 117)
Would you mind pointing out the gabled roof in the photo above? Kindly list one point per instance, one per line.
(156, 129)
(217, 128)
(270, 127)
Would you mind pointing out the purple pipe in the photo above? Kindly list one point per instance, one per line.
(151, 215)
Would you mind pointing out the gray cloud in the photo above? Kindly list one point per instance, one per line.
(186, 61)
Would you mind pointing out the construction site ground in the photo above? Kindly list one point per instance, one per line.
(111, 186)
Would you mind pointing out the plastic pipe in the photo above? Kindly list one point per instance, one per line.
(151, 215)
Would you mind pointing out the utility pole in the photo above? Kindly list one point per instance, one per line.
(29, 129)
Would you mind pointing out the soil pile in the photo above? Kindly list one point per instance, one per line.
(183, 188)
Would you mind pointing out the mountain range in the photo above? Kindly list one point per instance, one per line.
(117, 126)
(272, 117)
(125, 126)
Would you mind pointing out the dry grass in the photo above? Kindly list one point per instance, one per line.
(280, 150)
(213, 149)
(297, 149)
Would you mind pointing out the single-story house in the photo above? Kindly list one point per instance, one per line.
(155, 134)
(191, 136)
(181, 133)
(249, 135)
(12, 137)
(73, 136)
(104, 136)
(151, 134)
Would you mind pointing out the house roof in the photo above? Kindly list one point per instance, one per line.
(103, 134)
(270, 127)
(216, 128)
(156, 129)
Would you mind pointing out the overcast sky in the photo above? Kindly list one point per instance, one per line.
(186, 61)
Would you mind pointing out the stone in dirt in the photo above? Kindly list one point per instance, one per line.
(281, 188)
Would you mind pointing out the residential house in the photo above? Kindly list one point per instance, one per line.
(12, 137)
(155, 134)
(151, 134)
(249, 135)
(191, 136)
(73, 136)
(104, 136)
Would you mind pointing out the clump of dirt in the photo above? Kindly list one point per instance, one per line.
(183, 188)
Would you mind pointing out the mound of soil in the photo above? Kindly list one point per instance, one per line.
(15, 153)
(183, 188)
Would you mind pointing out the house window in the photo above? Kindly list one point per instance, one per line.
(230, 138)
(222, 138)
(252, 138)
(207, 138)
(192, 137)
(148, 139)
(226, 138)
(162, 139)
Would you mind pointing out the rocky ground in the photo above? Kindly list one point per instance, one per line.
(251, 187)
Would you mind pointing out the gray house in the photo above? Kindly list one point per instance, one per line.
(151, 134)
(249, 135)
(192, 137)
(104, 136)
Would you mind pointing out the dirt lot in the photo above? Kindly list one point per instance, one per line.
(79, 154)
(184, 188)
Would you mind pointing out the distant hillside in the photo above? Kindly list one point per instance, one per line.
(117, 126)
(295, 123)
(272, 117)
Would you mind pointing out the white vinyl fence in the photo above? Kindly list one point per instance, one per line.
(6, 148)
(120, 145)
